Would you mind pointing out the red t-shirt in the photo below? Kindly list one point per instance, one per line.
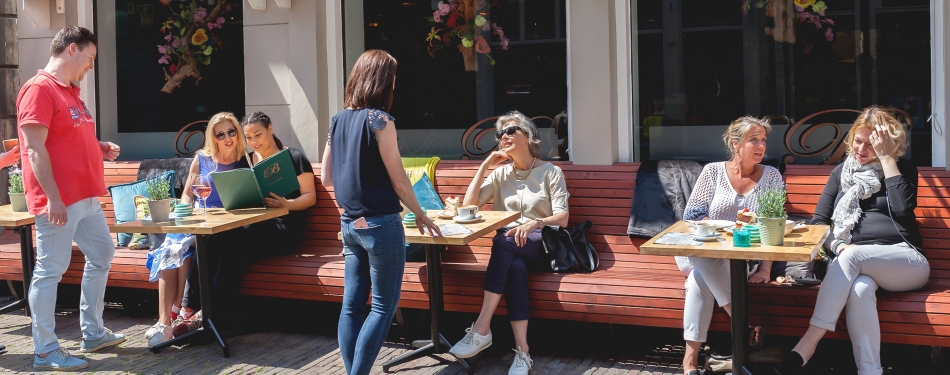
(74, 151)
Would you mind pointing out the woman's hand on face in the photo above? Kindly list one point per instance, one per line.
(760, 277)
(276, 201)
(521, 232)
(496, 158)
(881, 142)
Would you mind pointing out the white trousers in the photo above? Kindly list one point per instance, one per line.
(86, 224)
(850, 284)
(707, 282)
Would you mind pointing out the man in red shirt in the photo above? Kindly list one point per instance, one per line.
(62, 176)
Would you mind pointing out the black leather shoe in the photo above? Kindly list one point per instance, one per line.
(793, 364)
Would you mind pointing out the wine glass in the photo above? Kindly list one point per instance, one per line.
(201, 188)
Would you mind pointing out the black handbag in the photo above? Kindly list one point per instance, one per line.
(567, 249)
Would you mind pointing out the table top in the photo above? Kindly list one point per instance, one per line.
(491, 220)
(801, 245)
(216, 221)
(8, 218)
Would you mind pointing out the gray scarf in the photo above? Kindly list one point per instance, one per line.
(858, 182)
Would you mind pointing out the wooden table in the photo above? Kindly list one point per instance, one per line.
(22, 223)
(800, 246)
(491, 221)
(215, 221)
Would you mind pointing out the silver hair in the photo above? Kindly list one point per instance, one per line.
(738, 129)
(527, 127)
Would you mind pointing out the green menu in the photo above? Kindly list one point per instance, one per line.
(247, 187)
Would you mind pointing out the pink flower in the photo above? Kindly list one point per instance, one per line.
(220, 22)
(162, 49)
(176, 42)
(486, 26)
(168, 38)
(829, 35)
(200, 14)
(436, 16)
(504, 44)
(164, 60)
(481, 46)
(444, 8)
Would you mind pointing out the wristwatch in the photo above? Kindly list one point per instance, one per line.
(540, 223)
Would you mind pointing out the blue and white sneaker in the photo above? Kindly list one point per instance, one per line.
(108, 339)
(59, 359)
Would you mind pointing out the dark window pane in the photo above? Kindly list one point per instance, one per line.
(708, 13)
(141, 106)
(649, 14)
(507, 14)
(539, 19)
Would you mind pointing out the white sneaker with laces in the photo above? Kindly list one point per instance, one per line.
(151, 331)
(471, 344)
(162, 333)
(522, 363)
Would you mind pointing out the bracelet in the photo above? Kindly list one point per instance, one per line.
(540, 223)
(835, 245)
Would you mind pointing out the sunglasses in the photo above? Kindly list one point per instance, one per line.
(231, 133)
(509, 130)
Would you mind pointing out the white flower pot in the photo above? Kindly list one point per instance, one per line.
(159, 210)
(18, 200)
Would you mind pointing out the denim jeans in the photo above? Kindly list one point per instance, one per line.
(375, 258)
(86, 224)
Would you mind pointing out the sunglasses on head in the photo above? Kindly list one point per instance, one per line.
(509, 130)
(229, 134)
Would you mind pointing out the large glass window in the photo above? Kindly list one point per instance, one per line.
(156, 40)
(437, 101)
(703, 64)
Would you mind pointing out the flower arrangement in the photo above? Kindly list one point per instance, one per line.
(786, 12)
(189, 41)
(461, 23)
(771, 201)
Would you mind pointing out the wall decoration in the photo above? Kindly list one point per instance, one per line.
(189, 41)
(787, 12)
(461, 23)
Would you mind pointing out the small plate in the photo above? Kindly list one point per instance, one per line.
(714, 237)
(442, 215)
(720, 224)
(463, 221)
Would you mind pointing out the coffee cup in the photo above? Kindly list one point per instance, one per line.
(467, 212)
(705, 229)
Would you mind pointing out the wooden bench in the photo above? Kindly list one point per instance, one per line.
(628, 288)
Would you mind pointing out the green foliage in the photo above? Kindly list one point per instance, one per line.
(772, 201)
(16, 182)
(158, 189)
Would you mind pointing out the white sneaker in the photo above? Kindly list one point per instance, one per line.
(471, 344)
(162, 333)
(522, 363)
(151, 331)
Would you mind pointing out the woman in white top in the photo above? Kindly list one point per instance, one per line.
(721, 191)
(537, 190)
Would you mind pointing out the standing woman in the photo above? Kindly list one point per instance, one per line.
(721, 191)
(870, 200)
(365, 170)
(537, 190)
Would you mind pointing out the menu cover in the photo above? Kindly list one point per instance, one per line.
(247, 187)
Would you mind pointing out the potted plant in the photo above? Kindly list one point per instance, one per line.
(16, 191)
(160, 202)
(772, 214)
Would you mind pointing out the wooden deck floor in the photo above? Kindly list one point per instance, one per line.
(301, 339)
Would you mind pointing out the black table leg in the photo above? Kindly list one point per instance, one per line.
(26, 262)
(437, 342)
(739, 316)
(207, 314)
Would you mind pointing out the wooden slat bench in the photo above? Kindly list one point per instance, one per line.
(629, 288)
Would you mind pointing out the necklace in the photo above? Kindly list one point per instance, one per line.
(519, 177)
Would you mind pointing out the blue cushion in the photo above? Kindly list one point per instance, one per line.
(123, 204)
(426, 194)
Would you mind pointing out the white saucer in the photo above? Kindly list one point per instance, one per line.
(714, 237)
(463, 221)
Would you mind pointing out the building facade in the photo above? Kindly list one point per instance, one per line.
(605, 80)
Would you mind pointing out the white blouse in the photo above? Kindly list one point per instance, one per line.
(715, 198)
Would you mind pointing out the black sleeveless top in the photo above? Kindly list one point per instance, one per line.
(360, 180)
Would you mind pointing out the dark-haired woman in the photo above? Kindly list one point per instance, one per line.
(364, 168)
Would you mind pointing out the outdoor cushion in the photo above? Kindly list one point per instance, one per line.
(124, 204)
(426, 195)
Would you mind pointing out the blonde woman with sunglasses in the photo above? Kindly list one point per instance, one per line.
(223, 150)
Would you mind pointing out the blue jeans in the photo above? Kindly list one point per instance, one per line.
(86, 225)
(375, 258)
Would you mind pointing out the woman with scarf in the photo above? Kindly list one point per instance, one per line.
(870, 200)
